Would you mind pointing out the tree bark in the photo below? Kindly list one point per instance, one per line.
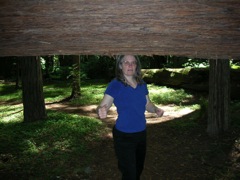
(33, 100)
(219, 97)
(190, 28)
(76, 92)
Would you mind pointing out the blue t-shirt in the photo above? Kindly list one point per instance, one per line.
(131, 105)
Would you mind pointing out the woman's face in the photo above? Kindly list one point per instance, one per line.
(129, 65)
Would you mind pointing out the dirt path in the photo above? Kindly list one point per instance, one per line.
(171, 112)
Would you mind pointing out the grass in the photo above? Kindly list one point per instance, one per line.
(91, 94)
(10, 94)
(46, 149)
(165, 95)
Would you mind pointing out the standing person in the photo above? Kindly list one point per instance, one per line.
(129, 93)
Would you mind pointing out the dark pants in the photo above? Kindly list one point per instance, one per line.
(130, 150)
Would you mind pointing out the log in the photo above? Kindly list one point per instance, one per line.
(194, 79)
(202, 29)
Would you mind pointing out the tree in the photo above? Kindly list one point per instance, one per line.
(76, 92)
(219, 97)
(32, 89)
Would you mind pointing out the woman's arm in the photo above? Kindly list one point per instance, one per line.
(150, 107)
(104, 106)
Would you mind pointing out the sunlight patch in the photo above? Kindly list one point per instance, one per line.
(171, 113)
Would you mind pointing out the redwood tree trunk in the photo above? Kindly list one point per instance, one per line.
(190, 28)
(219, 97)
(33, 100)
(76, 92)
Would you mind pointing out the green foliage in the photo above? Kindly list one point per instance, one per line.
(91, 67)
(9, 93)
(98, 67)
(196, 63)
(56, 91)
(235, 64)
(11, 113)
(61, 72)
(46, 148)
(165, 95)
(91, 94)
(43, 63)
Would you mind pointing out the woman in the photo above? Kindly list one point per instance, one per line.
(129, 93)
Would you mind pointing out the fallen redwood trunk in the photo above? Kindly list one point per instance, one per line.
(203, 29)
(196, 79)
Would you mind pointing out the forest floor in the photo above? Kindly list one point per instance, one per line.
(174, 152)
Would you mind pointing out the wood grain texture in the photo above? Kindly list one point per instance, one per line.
(193, 28)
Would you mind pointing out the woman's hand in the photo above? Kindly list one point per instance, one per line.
(150, 107)
(104, 106)
(102, 111)
(159, 112)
